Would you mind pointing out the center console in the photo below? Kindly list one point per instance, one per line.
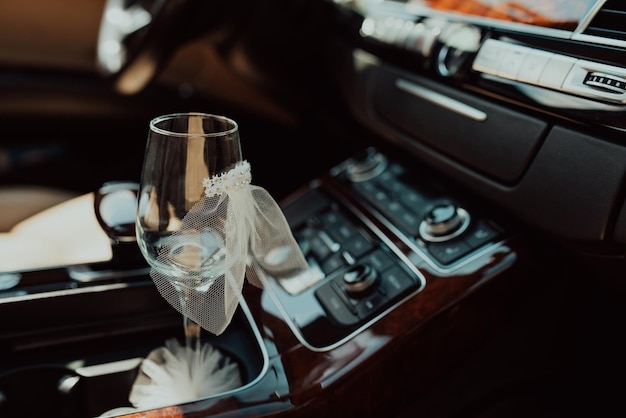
(367, 232)
(393, 254)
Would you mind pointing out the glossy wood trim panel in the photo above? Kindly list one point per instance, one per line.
(392, 361)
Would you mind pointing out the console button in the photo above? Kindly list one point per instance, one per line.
(512, 61)
(480, 234)
(369, 305)
(533, 66)
(335, 305)
(395, 282)
(409, 197)
(338, 226)
(403, 218)
(489, 56)
(389, 196)
(555, 71)
(449, 251)
(333, 263)
(367, 189)
(319, 248)
(357, 245)
(379, 260)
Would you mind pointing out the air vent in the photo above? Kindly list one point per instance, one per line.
(610, 21)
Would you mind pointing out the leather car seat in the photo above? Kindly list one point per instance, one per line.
(21, 202)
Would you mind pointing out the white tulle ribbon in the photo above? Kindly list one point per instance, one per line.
(174, 374)
(233, 223)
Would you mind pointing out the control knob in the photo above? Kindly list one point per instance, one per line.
(359, 278)
(443, 222)
(366, 166)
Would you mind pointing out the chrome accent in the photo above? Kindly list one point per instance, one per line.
(441, 100)
(463, 218)
(9, 280)
(591, 14)
(85, 273)
(546, 69)
(578, 81)
(606, 81)
(359, 278)
(109, 368)
(64, 292)
(593, 39)
(366, 168)
(333, 245)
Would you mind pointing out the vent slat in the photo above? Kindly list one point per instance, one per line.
(610, 21)
(606, 33)
(614, 5)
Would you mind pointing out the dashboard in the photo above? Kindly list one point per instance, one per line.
(521, 101)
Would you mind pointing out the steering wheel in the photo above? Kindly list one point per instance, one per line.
(136, 38)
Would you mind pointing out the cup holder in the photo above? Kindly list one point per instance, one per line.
(36, 391)
(91, 378)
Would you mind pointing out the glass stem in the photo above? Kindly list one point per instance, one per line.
(191, 328)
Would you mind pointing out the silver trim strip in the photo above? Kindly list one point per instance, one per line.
(441, 100)
(586, 20)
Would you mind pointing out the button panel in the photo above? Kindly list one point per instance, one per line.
(551, 70)
(442, 229)
(355, 277)
(363, 275)
(357, 273)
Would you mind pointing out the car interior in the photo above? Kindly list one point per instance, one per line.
(453, 171)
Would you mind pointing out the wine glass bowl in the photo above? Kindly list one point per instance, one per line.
(179, 229)
(200, 252)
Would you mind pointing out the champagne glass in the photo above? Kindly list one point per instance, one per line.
(185, 252)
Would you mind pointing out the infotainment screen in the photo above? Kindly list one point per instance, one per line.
(556, 14)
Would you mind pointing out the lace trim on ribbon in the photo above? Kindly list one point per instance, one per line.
(233, 179)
